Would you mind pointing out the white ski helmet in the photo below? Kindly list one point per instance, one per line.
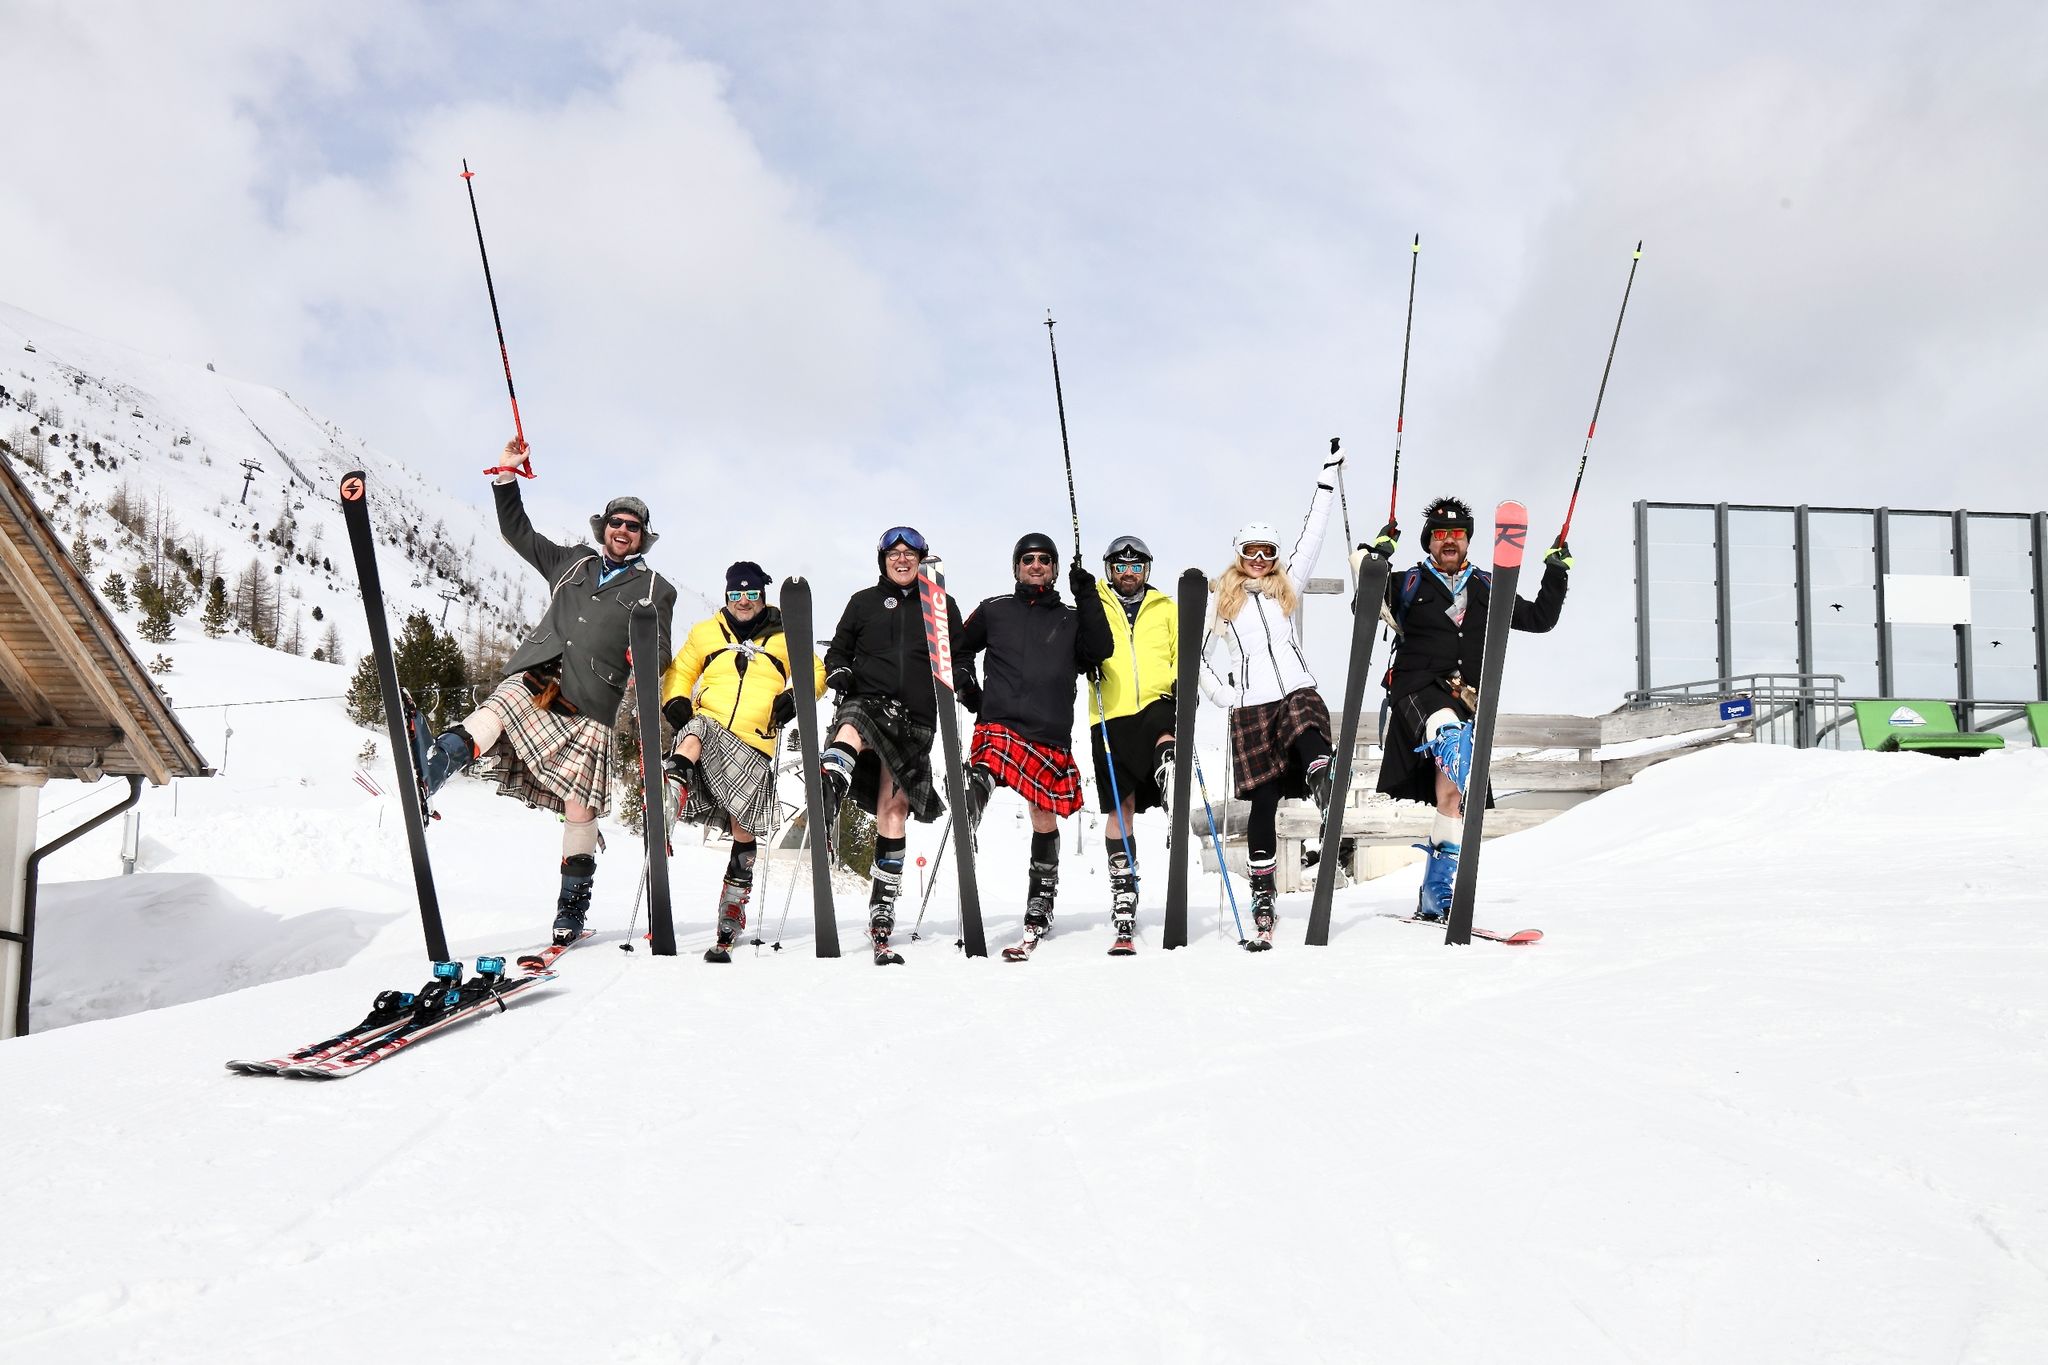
(1255, 533)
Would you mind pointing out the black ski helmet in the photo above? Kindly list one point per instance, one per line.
(1033, 540)
(908, 536)
(1127, 547)
(1446, 514)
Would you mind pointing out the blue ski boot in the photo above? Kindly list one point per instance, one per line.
(1452, 750)
(451, 752)
(578, 872)
(1435, 900)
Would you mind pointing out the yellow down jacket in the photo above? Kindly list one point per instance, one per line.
(735, 681)
(1141, 671)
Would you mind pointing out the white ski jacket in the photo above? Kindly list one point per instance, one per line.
(1255, 659)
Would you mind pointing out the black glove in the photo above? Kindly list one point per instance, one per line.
(969, 693)
(1559, 554)
(784, 710)
(839, 680)
(678, 710)
(1081, 584)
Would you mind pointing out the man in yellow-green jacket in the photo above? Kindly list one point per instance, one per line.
(728, 694)
(1136, 693)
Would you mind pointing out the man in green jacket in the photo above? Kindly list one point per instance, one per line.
(1136, 694)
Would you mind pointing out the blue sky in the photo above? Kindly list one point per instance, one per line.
(782, 269)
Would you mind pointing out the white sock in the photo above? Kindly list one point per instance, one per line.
(579, 836)
(1447, 829)
(1438, 720)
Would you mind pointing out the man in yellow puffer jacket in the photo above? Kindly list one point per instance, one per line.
(728, 694)
(1137, 695)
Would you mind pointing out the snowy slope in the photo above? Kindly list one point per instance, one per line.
(1771, 1089)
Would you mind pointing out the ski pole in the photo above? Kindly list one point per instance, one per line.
(1216, 842)
(1401, 404)
(930, 886)
(639, 891)
(1115, 797)
(1344, 506)
(1634, 261)
(1059, 397)
(525, 466)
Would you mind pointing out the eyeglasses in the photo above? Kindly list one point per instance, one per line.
(903, 535)
(627, 523)
(1129, 566)
(744, 595)
(1037, 557)
(903, 552)
(1260, 554)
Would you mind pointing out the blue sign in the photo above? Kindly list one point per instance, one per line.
(1738, 708)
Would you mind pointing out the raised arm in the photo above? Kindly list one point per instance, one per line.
(1308, 546)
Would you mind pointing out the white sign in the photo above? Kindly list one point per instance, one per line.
(1927, 599)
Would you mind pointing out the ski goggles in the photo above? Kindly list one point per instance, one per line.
(744, 595)
(1260, 554)
(904, 537)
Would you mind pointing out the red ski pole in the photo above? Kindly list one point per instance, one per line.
(525, 466)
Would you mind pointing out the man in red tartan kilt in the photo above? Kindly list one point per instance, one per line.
(1036, 646)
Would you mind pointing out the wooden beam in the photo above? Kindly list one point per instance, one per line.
(15, 678)
(1654, 722)
(22, 775)
(21, 575)
(60, 736)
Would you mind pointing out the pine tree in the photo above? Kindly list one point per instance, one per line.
(216, 619)
(429, 666)
(115, 589)
(81, 551)
(330, 645)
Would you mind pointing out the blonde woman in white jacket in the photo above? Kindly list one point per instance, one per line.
(1252, 665)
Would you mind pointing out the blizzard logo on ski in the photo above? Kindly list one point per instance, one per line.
(1907, 716)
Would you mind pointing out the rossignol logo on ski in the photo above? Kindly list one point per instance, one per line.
(1514, 535)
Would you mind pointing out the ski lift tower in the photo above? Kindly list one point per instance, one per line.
(250, 469)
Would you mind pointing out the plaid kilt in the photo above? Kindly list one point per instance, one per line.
(1262, 736)
(1045, 776)
(544, 759)
(734, 779)
(893, 738)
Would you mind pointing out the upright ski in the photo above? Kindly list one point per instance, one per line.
(1192, 603)
(1365, 621)
(1510, 535)
(797, 630)
(355, 513)
(649, 661)
(931, 594)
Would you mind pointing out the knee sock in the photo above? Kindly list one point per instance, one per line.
(1261, 836)
(739, 868)
(1438, 719)
(483, 728)
(886, 879)
(1446, 829)
(1115, 849)
(579, 836)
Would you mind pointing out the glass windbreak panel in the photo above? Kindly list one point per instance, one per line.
(1844, 595)
(1923, 656)
(1683, 640)
(2002, 651)
(1763, 576)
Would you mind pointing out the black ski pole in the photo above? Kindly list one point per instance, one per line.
(1634, 261)
(1401, 405)
(525, 466)
(1059, 397)
(1344, 506)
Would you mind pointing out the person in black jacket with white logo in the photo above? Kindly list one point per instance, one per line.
(1439, 608)
(881, 747)
(1037, 647)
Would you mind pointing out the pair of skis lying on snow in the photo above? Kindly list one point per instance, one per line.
(398, 1019)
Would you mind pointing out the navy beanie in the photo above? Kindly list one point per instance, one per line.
(746, 574)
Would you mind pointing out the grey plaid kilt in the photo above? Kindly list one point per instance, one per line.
(890, 736)
(1261, 738)
(544, 759)
(734, 779)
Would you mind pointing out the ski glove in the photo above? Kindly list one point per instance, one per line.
(1081, 584)
(1559, 554)
(784, 710)
(969, 693)
(839, 679)
(678, 710)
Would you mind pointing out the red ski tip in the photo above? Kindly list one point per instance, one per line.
(1510, 534)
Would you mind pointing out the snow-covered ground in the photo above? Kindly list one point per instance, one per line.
(1771, 1088)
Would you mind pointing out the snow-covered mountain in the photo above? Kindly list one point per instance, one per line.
(236, 474)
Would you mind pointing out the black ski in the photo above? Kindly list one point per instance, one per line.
(355, 513)
(1193, 604)
(797, 624)
(931, 595)
(1510, 535)
(1365, 621)
(644, 634)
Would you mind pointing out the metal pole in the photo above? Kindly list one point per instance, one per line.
(1642, 596)
(1881, 553)
(1802, 568)
(1966, 673)
(2041, 605)
(525, 466)
(1724, 597)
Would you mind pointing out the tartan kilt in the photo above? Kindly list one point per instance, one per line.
(734, 780)
(1042, 774)
(1261, 738)
(893, 738)
(544, 759)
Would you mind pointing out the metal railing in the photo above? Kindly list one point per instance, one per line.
(1808, 710)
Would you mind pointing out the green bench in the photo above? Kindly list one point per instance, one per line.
(1926, 727)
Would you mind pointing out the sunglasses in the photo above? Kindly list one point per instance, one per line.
(627, 523)
(744, 595)
(1128, 566)
(1260, 554)
(1037, 557)
(1438, 537)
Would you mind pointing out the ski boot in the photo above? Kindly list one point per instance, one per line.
(451, 752)
(732, 919)
(1045, 881)
(1263, 916)
(1162, 771)
(573, 905)
(1433, 903)
(1321, 781)
(981, 785)
(1452, 750)
(1123, 905)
